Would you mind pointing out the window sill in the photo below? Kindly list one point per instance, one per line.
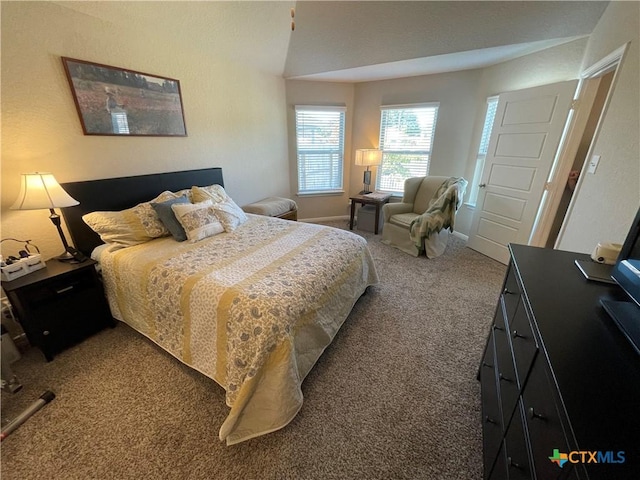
(325, 193)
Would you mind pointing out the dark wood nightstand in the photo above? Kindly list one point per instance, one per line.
(60, 305)
(367, 200)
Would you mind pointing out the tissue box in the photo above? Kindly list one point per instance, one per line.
(22, 267)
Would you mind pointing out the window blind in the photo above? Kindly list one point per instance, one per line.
(406, 140)
(320, 148)
(492, 107)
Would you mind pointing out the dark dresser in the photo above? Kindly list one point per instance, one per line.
(560, 383)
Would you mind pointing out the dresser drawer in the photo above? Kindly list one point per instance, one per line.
(518, 463)
(499, 471)
(508, 389)
(543, 423)
(510, 293)
(492, 428)
(524, 344)
(45, 293)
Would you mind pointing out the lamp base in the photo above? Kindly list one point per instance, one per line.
(71, 255)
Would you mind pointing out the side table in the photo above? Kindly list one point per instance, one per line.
(367, 200)
(59, 305)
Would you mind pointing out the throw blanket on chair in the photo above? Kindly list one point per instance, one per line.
(441, 213)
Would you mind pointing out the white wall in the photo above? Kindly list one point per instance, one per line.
(456, 93)
(320, 93)
(605, 203)
(235, 114)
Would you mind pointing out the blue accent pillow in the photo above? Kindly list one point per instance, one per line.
(168, 218)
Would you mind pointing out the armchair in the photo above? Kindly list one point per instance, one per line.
(423, 220)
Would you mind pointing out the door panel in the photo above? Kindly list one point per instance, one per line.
(508, 207)
(524, 140)
(520, 145)
(512, 176)
(532, 110)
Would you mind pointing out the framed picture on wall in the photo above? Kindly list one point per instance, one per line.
(115, 101)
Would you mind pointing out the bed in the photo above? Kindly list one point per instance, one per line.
(253, 307)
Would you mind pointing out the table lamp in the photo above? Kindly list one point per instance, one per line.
(368, 157)
(40, 191)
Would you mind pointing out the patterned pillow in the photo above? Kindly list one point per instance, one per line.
(168, 218)
(228, 212)
(132, 226)
(199, 220)
(212, 192)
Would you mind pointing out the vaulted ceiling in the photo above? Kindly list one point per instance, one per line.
(354, 40)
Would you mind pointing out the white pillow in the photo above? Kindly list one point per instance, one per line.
(199, 220)
(230, 214)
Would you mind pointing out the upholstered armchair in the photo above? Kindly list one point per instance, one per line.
(424, 219)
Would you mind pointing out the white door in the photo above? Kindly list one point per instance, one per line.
(524, 140)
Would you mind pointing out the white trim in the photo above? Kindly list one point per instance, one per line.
(320, 193)
(602, 65)
(324, 219)
(327, 108)
(410, 105)
(461, 236)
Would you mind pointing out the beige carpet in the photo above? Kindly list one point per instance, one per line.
(394, 397)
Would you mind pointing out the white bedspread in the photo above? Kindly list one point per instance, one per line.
(252, 309)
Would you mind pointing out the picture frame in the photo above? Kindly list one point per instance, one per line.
(119, 102)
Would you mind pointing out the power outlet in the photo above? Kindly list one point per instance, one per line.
(593, 164)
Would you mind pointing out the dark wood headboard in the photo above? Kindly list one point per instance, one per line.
(114, 194)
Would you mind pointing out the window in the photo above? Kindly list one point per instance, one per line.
(320, 148)
(492, 106)
(406, 141)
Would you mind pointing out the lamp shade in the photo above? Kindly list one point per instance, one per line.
(368, 157)
(41, 190)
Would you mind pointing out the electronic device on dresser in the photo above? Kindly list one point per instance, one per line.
(626, 273)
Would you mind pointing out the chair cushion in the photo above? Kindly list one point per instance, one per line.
(403, 219)
(271, 206)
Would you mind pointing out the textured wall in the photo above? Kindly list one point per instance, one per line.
(235, 113)
(605, 203)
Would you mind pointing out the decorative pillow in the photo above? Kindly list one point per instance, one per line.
(213, 192)
(230, 214)
(168, 218)
(124, 228)
(199, 220)
(132, 226)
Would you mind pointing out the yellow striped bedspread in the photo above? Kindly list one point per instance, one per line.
(253, 309)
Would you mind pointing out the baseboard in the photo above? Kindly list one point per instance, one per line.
(324, 219)
(461, 236)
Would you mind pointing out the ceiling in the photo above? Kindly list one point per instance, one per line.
(362, 41)
(353, 41)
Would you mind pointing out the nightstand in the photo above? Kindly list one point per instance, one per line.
(60, 305)
(378, 202)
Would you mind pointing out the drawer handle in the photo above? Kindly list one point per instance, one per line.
(485, 364)
(506, 291)
(533, 414)
(488, 419)
(46, 332)
(513, 464)
(66, 289)
(495, 327)
(502, 377)
(518, 335)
